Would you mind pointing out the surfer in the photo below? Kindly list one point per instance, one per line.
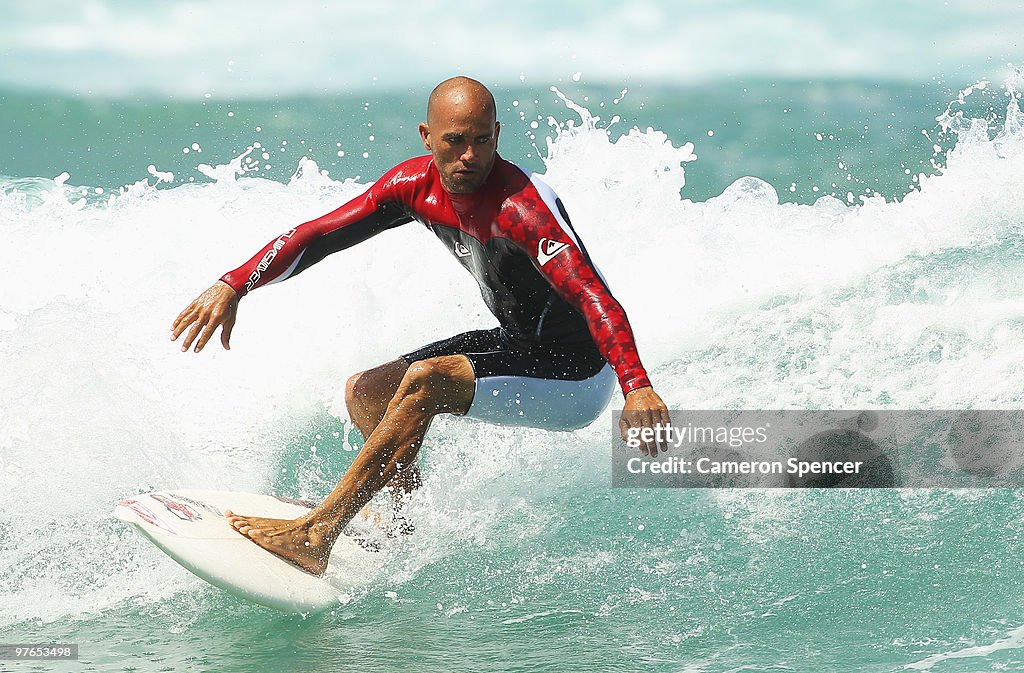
(553, 361)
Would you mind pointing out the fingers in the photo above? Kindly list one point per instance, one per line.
(664, 417)
(199, 324)
(634, 422)
(665, 421)
(660, 419)
(184, 319)
(210, 324)
(206, 335)
(646, 420)
(627, 422)
(657, 443)
(191, 336)
(216, 307)
(651, 422)
(225, 333)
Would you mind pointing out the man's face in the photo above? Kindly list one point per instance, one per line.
(462, 135)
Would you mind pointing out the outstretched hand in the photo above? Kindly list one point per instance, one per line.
(216, 307)
(644, 409)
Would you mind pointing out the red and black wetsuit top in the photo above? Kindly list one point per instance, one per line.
(513, 234)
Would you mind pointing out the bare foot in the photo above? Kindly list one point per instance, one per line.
(294, 540)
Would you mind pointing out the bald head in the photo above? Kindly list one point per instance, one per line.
(460, 94)
(461, 133)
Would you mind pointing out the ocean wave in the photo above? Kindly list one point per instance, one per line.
(262, 48)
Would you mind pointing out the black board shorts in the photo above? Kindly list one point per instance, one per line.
(534, 385)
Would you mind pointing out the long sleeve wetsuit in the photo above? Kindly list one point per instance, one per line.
(513, 235)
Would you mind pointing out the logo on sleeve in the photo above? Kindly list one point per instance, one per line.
(461, 250)
(547, 249)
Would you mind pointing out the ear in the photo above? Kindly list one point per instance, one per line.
(425, 135)
(497, 132)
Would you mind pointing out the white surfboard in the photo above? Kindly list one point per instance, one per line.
(189, 526)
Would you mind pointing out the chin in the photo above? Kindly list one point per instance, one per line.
(462, 186)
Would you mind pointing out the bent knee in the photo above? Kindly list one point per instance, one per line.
(352, 388)
(439, 371)
(422, 375)
(441, 383)
(378, 383)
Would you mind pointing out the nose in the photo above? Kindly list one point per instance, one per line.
(469, 156)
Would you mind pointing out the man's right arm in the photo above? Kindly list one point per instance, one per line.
(378, 209)
(300, 248)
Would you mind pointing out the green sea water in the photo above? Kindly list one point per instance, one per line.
(836, 136)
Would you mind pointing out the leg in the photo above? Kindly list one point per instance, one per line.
(438, 385)
(367, 395)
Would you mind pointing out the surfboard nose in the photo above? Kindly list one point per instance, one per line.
(190, 527)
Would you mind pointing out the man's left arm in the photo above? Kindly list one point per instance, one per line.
(561, 258)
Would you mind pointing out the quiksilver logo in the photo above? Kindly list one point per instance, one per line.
(461, 250)
(547, 249)
(264, 264)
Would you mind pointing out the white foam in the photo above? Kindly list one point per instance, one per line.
(1013, 640)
